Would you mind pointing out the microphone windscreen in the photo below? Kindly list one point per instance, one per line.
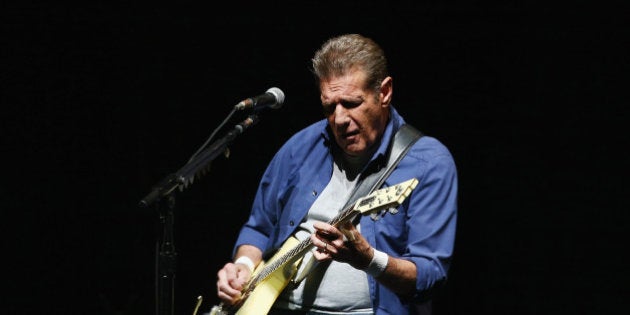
(279, 97)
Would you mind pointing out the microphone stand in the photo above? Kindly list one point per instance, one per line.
(162, 196)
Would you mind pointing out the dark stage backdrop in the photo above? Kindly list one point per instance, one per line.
(103, 100)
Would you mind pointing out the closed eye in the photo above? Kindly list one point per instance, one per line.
(330, 108)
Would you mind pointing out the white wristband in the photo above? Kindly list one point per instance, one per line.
(378, 264)
(245, 261)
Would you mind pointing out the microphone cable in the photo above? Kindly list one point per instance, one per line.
(212, 135)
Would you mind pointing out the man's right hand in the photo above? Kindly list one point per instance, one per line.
(231, 280)
(233, 277)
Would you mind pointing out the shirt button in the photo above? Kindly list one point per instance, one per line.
(314, 193)
(291, 223)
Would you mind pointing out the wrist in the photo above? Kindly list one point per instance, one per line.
(244, 260)
(378, 263)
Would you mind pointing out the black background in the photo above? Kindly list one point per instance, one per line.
(101, 101)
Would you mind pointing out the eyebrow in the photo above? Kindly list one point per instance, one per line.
(354, 100)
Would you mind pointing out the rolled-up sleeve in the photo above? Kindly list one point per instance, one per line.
(431, 222)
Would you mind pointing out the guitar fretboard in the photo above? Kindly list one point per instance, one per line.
(380, 199)
(294, 252)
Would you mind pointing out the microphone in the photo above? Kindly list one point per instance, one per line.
(273, 98)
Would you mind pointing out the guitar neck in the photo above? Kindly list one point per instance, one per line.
(298, 250)
(380, 199)
(289, 252)
(280, 261)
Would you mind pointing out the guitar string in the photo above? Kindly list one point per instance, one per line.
(342, 216)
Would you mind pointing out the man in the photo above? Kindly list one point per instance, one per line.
(387, 263)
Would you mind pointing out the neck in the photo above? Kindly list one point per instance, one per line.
(353, 164)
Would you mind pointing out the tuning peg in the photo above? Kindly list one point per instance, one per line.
(375, 216)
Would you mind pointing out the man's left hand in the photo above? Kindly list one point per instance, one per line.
(345, 244)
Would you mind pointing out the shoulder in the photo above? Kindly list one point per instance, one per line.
(303, 142)
(428, 154)
(429, 148)
(312, 131)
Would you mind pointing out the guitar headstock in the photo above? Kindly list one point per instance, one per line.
(387, 197)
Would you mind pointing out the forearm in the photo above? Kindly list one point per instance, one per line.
(399, 276)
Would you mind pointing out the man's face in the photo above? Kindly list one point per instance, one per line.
(357, 116)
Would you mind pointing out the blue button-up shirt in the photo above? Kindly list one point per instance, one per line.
(423, 231)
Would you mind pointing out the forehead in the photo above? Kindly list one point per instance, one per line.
(349, 85)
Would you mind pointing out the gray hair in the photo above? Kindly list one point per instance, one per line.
(338, 55)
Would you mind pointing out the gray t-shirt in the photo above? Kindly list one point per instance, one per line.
(329, 287)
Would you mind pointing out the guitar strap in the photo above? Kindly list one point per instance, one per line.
(404, 138)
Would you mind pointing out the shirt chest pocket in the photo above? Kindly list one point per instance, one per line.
(391, 225)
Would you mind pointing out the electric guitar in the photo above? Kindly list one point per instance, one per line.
(271, 277)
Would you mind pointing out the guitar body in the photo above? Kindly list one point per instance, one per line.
(265, 293)
(272, 276)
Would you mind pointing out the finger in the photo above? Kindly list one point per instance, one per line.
(321, 255)
(322, 246)
(227, 293)
(230, 299)
(350, 235)
(326, 231)
(328, 248)
(230, 271)
(225, 290)
(222, 277)
(236, 275)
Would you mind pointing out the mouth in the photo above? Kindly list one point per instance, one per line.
(349, 135)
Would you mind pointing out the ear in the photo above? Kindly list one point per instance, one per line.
(386, 91)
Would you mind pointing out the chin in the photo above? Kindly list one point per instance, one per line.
(354, 152)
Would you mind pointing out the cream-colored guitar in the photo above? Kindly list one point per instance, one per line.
(272, 276)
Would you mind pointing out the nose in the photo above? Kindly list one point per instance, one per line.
(341, 115)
